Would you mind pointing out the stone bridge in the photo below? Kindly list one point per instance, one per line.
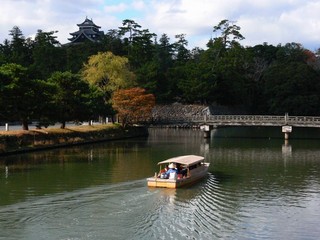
(240, 120)
(178, 115)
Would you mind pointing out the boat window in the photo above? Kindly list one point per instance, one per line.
(193, 167)
(199, 164)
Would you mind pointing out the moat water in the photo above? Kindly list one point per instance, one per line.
(257, 187)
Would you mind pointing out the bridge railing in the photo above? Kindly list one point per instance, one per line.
(242, 119)
(257, 118)
(298, 119)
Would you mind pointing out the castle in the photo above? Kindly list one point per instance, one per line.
(88, 31)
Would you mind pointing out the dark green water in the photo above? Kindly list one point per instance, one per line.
(257, 188)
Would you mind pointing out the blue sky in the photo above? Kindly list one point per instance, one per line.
(274, 22)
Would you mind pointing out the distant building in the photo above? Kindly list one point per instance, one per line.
(88, 31)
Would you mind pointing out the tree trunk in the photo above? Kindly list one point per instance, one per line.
(63, 125)
(25, 125)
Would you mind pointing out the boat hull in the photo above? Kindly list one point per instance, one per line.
(176, 183)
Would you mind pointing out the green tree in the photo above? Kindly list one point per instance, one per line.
(5, 52)
(113, 42)
(291, 52)
(233, 85)
(20, 48)
(148, 76)
(21, 98)
(48, 56)
(96, 105)
(78, 54)
(199, 81)
(164, 52)
(260, 58)
(168, 90)
(72, 98)
(229, 65)
(142, 49)
(129, 30)
(292, 87)
(290, 83)
(138, 42)
(182, 54)
(153, 74)
(229, 33)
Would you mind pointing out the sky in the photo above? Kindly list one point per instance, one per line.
(261, 21)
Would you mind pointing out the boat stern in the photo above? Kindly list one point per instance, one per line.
(161, 183)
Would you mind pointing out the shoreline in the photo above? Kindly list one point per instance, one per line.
(22, 141)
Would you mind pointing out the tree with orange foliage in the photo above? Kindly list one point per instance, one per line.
(133, 105)
(311, 59)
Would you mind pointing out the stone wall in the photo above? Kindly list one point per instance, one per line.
(178, 111)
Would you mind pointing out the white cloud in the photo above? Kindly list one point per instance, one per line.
(115, 8)
(138, 5)
(300, 24)
(261, 21)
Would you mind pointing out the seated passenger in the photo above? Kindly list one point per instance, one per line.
(184, 172)
(172, 169)
(163, 171)
(181, 170)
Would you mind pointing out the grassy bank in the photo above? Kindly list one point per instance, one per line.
(21, 141)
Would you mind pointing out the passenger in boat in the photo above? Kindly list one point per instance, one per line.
(181, 170)
(172, 169)
(165, 169)
(162, 173)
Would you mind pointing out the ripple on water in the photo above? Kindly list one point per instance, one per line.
(199, 212)
(207, 210)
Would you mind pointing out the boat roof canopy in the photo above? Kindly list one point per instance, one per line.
(185, 160)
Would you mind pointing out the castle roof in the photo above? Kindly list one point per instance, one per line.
(88, 22)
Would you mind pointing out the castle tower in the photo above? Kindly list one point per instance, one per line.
(88, 31)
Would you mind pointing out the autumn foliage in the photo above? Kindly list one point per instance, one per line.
(133, 105)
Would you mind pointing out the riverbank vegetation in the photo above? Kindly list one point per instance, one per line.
(42, 80)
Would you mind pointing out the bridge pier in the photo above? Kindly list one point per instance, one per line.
(286, 130)
(206, 130)
(286, 136)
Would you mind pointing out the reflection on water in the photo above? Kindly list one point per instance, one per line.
(256, 189)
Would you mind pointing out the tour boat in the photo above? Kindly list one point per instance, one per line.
(181, 171)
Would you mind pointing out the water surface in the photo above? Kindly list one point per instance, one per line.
(257, 188)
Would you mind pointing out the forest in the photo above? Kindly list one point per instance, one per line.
(41, 79)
